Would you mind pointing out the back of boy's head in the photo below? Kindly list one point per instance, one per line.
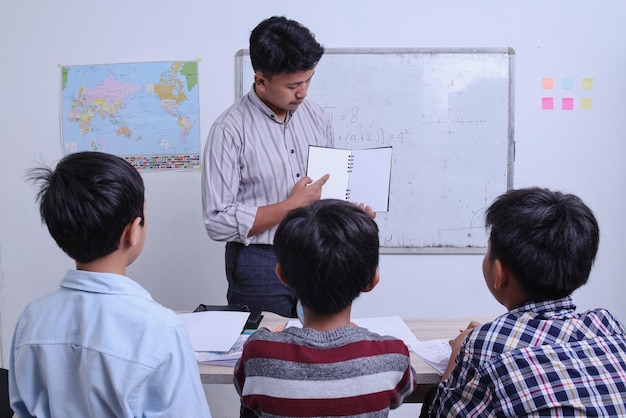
(279, 45)
(547, 239)
(328, 253)
(87, 201)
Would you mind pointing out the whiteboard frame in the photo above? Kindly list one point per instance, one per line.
(243, 86)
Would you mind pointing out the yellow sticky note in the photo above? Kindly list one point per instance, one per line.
(587, 83)
(547, 83)
(585, 103)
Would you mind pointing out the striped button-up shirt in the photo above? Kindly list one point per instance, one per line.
(539, 359)
(253, 159)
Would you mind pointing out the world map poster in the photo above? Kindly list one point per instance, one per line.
(147, 113)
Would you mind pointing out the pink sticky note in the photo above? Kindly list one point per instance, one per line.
(547, 103)
(547, 83)
(567, 103)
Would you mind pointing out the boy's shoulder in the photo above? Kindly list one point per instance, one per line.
(130, 324)
(530, 326)
(85, 297)
(337, 338)
(346, 344)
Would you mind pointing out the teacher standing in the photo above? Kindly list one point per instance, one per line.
(254, 165)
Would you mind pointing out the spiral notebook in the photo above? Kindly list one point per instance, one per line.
(356, 175)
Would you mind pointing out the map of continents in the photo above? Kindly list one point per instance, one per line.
(145, 112)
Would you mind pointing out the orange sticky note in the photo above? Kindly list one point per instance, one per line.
(567, 103)
(547, 83)
(547, 103)
(585, 103)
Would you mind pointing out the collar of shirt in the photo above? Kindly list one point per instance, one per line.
(547, 309)
(109, 283)
(266, 110)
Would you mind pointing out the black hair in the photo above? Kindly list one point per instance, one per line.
(328, 252)
(548, 240)
(279, 45)
(87, 201)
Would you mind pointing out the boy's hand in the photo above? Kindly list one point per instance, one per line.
(456, 348)
(456, 343)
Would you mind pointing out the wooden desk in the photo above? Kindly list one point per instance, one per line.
(424, 329)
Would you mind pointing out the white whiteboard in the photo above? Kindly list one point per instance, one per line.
(447, 113)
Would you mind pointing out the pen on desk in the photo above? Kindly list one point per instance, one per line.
(279, 328)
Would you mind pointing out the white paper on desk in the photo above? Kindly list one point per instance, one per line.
(214, 330)
(385, 325)
(435, 353)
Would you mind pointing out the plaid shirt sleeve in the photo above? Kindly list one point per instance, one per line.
(463, 393)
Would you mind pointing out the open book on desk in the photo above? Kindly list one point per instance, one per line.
(435, 353)
(359, 175)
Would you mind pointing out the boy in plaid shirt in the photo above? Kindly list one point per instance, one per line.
(541, 357)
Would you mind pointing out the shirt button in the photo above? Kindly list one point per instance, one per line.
(293, 150)
(297, 174)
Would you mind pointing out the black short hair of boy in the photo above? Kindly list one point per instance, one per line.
(282, 46)
(328, 252)
(87, 201)
(548, 239)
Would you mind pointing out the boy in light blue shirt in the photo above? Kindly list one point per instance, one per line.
(100, 346)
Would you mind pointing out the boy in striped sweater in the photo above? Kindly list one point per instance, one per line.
(328, 254)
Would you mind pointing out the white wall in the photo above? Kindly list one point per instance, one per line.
(577, 151)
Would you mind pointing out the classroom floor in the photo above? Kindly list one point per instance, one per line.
(224, 403)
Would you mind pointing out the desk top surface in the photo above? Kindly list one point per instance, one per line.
(423, 328)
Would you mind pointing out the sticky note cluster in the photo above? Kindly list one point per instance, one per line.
(568, 87)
